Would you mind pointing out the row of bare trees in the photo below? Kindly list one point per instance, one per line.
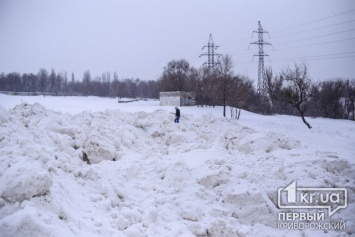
(292, 88)
(290, 91)
(54, 83)
(212, 86)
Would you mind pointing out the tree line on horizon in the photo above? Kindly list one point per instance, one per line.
(58, 84)
(290, 91)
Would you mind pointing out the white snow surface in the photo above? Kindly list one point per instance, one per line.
(88, 166)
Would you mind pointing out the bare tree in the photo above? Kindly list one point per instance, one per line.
(240, 89)
(52, 81)
(86, 84)
(292, 86)
(206, 87)
(330, 99)
(175, 76)
(350, 99)
(225, 72)
(43, 80)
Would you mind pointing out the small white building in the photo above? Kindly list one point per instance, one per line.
(177, 98)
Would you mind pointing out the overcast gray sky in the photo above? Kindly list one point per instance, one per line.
(137, 39)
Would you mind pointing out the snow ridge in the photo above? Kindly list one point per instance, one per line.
(116, 173)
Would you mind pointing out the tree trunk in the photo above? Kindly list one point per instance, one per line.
(224, 104)
(302, 116)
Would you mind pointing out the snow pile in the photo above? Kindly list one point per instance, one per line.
(4, 116)
(19, 183)
(117, 173)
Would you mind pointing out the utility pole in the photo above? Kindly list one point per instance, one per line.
(211, 47)
(261, 43)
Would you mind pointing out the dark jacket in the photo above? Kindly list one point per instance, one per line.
(177, 113)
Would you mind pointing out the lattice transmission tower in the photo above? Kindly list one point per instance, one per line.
(261, 54)
(211, 54)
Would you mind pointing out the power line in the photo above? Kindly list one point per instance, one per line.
(235, 41)
(244, 39)
(307, 23)
(313, 29)
(312, 59)
(237, 51)
(300, 46)
(297, 59)
(331, 56)
(315, 57)
(316, 37)
(316, 44)
(232, 45)
(238, 42)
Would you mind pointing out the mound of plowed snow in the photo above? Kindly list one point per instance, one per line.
(116, 173)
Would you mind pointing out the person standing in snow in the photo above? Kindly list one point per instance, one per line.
(177, 115)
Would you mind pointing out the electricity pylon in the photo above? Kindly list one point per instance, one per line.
(211, 47)
(261, 54)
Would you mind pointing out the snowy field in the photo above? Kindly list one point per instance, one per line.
(88, 166)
